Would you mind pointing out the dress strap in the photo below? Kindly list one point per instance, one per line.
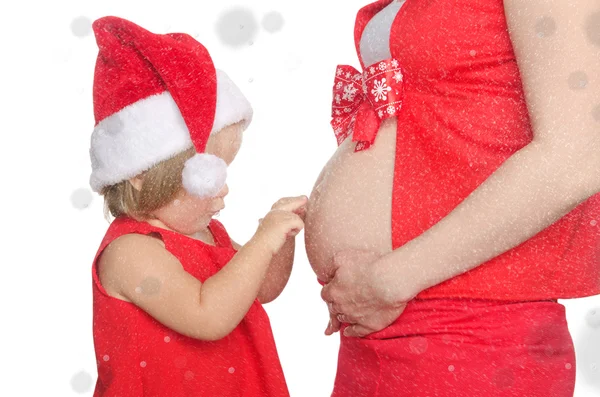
(220, 234)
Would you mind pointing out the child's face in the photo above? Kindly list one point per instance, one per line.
(226, 142)
(188, 214)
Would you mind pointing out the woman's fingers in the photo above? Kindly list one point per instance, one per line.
(334, 324)
(357, 331)
(346, 319)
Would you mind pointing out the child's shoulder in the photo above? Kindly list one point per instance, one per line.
(127, 258)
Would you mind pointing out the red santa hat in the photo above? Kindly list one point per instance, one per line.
(156, 95)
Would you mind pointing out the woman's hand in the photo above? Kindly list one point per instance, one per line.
(355, 295)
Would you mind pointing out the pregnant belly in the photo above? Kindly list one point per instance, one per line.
(350, 205)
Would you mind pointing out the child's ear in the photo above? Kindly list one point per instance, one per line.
(137, 182)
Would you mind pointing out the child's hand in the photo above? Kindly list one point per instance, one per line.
(283, 221)
(297, 205)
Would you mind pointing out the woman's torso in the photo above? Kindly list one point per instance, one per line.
(138, 356)
(463, 114)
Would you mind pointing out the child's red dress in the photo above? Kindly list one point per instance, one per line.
(137, 356)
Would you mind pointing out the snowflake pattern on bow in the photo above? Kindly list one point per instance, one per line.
(379, 86)
(349, 92)
(381, 90)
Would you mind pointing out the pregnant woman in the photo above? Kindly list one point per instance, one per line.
(461, 202)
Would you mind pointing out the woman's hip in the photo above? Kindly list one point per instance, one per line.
(450, 347)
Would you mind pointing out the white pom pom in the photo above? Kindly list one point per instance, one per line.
(204, 175)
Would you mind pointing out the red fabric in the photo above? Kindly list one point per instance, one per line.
(362, 100)
(449, 348)
(134, 64)
(463, 115)
(138, 356)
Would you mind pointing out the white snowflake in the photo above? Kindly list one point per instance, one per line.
(394, 63)
(339, 85)
(338, 130)
(349, 92)
(339, 72)
(382, 66)
(348, 75)
(372, 70)
(398, 76)
(337, 112)
(380, 113)
(391, 110)
(364, 87)
(338, 99)
(381, 89)
(357, 76)
(347, 110)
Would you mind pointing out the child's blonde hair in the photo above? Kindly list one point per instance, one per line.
(160, 185)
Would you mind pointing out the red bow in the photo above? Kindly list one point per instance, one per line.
(381, 85)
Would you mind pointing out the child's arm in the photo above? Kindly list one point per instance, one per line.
(278, 273)
(280, 267)
(137, 268)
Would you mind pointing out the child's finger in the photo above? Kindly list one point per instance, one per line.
(290, 203)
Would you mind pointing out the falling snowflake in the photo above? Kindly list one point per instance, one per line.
(81, 382)
(81, 198)
(398, 76)
(237, 27)
(81, 26)
(545, 27)
(381, 90)
(592, 28)
(349, 92)
(578, 80)
(593, 318)
(272, 22)
(596, 113)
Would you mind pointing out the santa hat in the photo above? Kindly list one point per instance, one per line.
(155, 96)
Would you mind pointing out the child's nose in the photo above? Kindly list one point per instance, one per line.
(224, 191)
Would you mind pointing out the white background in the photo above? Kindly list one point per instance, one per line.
(48, 243)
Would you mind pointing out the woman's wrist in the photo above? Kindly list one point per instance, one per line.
(396, 280)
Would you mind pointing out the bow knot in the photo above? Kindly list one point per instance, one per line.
(362, 100)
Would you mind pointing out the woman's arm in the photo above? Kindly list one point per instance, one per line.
(536, 186)
(545, 180)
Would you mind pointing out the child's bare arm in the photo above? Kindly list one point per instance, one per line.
(280, 267)
(279, 271)
(139, 269)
